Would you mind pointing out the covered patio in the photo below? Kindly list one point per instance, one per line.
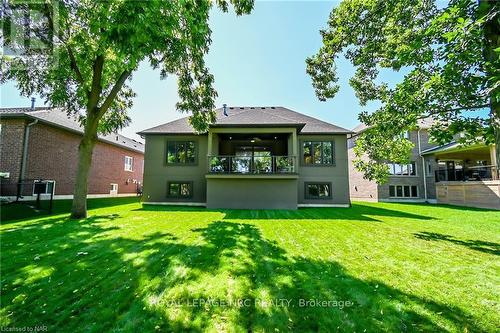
(466, 175)
(464, 163)
(252, 151)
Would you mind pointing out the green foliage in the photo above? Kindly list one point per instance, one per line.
(450, 56)
(93, 47)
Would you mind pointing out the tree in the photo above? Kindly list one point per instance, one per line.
(450, 57)
(91, 48)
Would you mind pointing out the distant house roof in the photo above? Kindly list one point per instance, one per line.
(422, 123)
(454, 146)
(449, 146)
(244, 116)
(60, 118)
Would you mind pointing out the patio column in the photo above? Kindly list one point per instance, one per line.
(295, 151)
(210, 138)
(494, 162)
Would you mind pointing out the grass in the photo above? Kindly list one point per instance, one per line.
(128, 267)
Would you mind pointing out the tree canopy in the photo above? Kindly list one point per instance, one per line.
(79, 54)
(450, 59)
(95, 46)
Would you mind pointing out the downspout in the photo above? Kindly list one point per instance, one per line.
(25, 157)
(423, 165)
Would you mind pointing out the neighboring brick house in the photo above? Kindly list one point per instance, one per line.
(412, 182)
(42, 143)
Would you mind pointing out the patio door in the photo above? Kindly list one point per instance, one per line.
(255, 159)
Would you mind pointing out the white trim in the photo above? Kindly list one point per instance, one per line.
(324, 205)
(69, 196)
(363, 199)
(179, 203)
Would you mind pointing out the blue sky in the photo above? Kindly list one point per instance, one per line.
(257, 59)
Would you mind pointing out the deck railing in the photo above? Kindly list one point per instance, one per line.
(477, 173)
(251, 165)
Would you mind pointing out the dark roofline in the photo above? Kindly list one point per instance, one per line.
(177, 128)
(298, 126)
(72, 130)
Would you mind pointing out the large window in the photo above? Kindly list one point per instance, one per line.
(403, 191)
(129, 162)
(318, 153)
(181, 152)
(402, 169)
(318, 190)
(180, 189)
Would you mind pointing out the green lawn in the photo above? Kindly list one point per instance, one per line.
(129, 268)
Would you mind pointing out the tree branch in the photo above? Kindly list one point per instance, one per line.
(482, 106)
(96, 89)
(74, 66)
(73, 63)
(114, 92)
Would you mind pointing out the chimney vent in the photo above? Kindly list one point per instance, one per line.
(33, 99)
(224, 108)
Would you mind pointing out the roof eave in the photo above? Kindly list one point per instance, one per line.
(74, 131)
(327, 133)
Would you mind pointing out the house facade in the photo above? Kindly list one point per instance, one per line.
(448, 174)
(42, 143)
(413, 182)
(251, 158)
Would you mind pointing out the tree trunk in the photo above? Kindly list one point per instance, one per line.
(495, 112)
(491, 43)
(85, 149)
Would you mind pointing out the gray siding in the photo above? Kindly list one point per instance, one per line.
(252, 193)
(337, 175)
(248, 193)
(157, 172)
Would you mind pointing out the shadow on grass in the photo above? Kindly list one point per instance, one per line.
(26, 210)
(465, 208)
(477, 245)
(90, 275)
(357, 212)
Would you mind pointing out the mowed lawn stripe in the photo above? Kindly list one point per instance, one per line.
(404, 267)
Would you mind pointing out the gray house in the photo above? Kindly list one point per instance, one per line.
(413, 182)
(251, 158)
(465, 175)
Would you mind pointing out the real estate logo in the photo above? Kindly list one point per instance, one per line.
(30, 30)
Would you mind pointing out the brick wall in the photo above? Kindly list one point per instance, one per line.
(53, 155)
(11, 146)
(359, 188)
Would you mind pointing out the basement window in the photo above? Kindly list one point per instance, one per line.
(318, 190)
(43, 187)
(180, 190)
(403, 191)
